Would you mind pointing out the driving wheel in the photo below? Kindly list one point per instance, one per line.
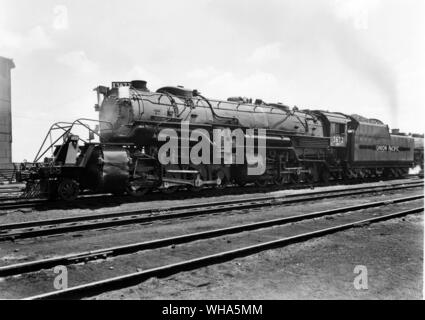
(68, 189)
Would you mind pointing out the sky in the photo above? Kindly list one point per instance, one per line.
(352, 56)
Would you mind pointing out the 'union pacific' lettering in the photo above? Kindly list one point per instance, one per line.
(389, 148)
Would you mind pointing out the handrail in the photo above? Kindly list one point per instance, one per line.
(66, 127)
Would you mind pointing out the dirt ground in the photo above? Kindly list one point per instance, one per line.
(317, 269)
(392, 252)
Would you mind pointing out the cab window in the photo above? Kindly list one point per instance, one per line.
(337, 128)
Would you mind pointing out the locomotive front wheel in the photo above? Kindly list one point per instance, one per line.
(68, 190)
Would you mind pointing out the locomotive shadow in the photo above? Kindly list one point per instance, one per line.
(105, 201)
(109, 201)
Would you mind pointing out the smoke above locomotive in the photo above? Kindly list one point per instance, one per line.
(176, 138)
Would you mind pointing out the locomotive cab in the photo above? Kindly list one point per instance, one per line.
(335, 128)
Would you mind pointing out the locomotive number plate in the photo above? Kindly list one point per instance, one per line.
(118, 84)
(337, 141)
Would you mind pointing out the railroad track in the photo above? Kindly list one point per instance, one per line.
(10, 194)
(39, 228)
(9, 191)
(123, 281)
(11, 203)
(10, 198)
(11, 188)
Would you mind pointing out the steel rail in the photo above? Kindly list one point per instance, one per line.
(137, 217)
(6, 204)
(9, 198)
(37, 223)
(21, 204)
(12, 190)
(120, 282)
(74, 258)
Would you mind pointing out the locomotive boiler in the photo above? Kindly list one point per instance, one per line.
(292, 145)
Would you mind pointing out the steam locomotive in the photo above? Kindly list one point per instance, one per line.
(293, 145)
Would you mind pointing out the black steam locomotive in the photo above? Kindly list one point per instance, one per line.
(292, 145)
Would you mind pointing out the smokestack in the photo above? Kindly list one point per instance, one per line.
(139, 85)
